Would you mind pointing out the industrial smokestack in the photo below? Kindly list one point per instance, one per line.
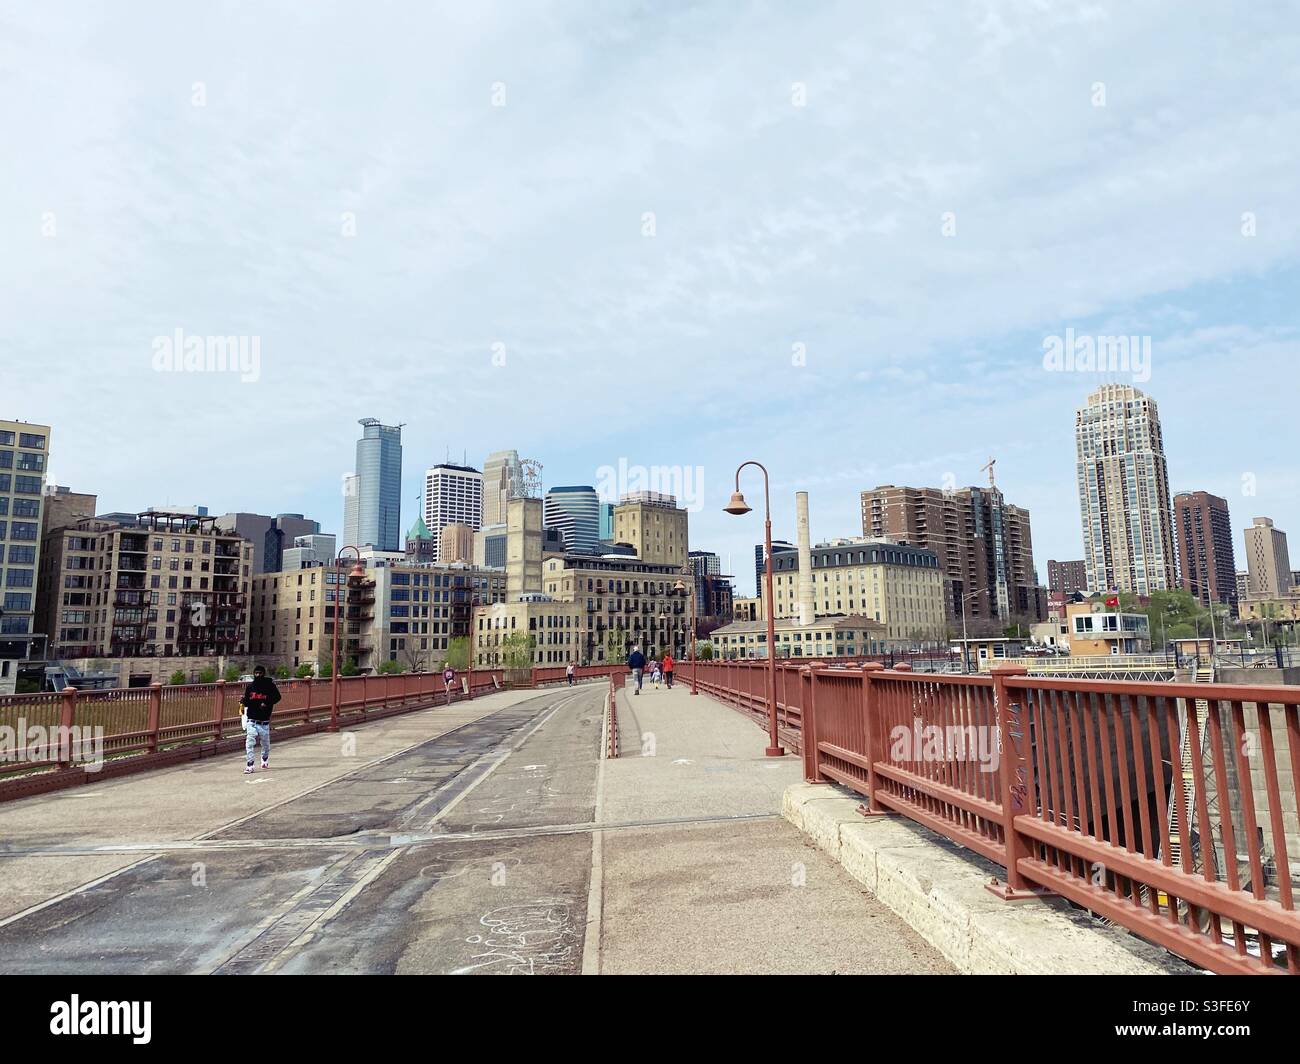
(807, 608)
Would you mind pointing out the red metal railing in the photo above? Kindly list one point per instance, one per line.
(616, 683)
(72, 737)
(1167, 808)
(549, 674)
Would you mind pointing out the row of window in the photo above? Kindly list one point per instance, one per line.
(20, 484)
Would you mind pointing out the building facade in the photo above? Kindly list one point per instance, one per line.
(164, 586)
(898, 587)
(1268, 563)
(372, 511)
(983, 544)
(270, 536)
(456, 544)
(401, 612)
(1205, 560)
(576, 511)
(826, 637)
(655, 527)
(1067, 577)
(24, 459)
(502, 481)
(760, 562)
(1124, 503)
(453, 495)
(1095, 630)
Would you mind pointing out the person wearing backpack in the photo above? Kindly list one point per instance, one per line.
(636, 662)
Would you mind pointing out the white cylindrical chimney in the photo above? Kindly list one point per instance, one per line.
(807, 605)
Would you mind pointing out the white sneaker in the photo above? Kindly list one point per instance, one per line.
(248, 769)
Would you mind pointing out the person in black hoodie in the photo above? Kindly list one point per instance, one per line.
(259, 699)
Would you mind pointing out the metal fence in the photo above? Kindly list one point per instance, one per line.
(1167, 808)
(54, 740)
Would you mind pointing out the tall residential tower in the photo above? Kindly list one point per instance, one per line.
(1128, 536)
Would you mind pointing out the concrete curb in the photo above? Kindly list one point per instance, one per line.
(937, 888)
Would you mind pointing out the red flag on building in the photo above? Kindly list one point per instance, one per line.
(1113, 601)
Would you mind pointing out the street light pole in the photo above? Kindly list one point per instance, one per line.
(965, 647)
(690, 592)
(738, 506)
(359, 571)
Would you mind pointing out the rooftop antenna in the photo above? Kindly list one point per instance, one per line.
(989, 467)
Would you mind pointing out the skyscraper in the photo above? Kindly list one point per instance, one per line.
(453, 495)
(1268, 565)
(502, 479)
(575, 511)
(24, 458)
(983, 544)
(1205, 559)
(1128, 537)
(372, 511)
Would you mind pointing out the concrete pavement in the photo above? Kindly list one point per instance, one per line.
(731, 888)
(489, 837)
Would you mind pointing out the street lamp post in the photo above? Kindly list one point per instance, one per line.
(738, 507)
(681, 586)
(965, 647)
(359, 572)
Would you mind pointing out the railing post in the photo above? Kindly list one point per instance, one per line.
(219, 715)
(155, 715)
(808, 724)
(875, 739)
(67, 714)
(1016, 782)
(306, 711)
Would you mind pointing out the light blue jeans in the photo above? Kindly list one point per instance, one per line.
(254, 733)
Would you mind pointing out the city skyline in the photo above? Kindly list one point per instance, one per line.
(815, 245)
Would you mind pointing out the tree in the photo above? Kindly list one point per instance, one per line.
(282, 672)
(302, 671)
(517, 650)
(616, 643)
(458, 653)
(349, 668)
(177, 678)
(325, 670)
(704, 651)
(233, 672)
(415, 660)
(208, 675)
(1174, 614)
(389, 668)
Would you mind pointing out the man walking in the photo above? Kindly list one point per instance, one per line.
(259, 699)
(636, 662)
(668, 668)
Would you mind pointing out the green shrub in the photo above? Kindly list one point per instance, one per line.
(177, 678)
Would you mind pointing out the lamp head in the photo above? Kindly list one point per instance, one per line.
(737, 506)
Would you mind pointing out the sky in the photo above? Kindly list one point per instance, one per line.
(834, 238)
